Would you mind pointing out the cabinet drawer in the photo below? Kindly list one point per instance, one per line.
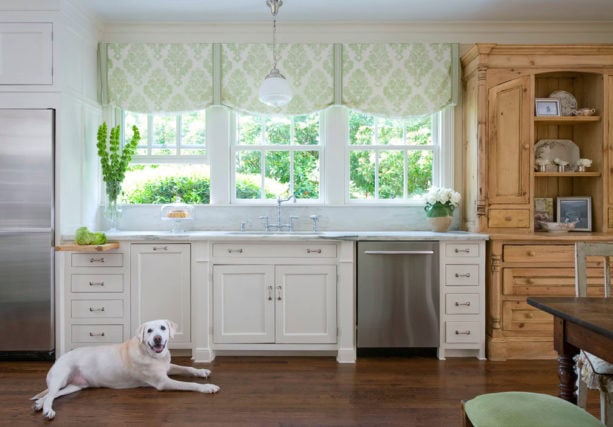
(539, 253)
(462, 274)
(96, 283)
(509, 218)
(538, 281)
(238, 250)
(462, 303)
(97, 333)
(462, 250)
(96, 308)
(96, 260)
(462, 332)
(519, 319)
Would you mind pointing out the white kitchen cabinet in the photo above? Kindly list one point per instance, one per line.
(462, 299)
(161, 286)
(280, 304)
(26, 53)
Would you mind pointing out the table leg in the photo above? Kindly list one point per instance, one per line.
(568, 377)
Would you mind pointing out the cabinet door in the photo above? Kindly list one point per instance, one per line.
(510, 110)
(243, 304)
(305, 304)
(26, 53)
(160, 276)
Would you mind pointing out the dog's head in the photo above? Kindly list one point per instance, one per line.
(155, 334)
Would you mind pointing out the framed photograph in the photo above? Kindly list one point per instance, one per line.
(577, 210)
(543, 211)
(547, 106)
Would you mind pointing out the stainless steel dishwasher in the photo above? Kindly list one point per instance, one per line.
(398, 294)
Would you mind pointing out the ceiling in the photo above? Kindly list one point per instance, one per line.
(354, 10)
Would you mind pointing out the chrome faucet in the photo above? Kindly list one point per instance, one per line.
(278, 226)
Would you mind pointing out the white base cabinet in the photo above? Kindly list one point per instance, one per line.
(161, 286)
(274, 304)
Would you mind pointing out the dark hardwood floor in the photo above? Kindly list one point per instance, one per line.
(288, 391)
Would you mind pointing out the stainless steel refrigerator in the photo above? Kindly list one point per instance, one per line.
(27, 234)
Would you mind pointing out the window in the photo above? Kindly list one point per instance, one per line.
(277, 155)
(390, 160)
(170, 161)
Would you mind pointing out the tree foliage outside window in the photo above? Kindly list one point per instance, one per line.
(389, 159)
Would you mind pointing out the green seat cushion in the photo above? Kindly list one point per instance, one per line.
(522, 409)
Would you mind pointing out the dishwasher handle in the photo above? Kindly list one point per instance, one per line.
(399, 252)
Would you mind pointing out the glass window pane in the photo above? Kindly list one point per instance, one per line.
(248, 175)
(360, 128)
(278, 131)
(249, 130)
(277, 173)
(391, 174)
(138, 120)
(306, 175)
(362, 174)
(193, 129)
(389, 132)
(419, 131)
(306, 130)
(165, 130)
(419, 171)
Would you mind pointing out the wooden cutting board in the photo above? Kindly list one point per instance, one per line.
(74, 247)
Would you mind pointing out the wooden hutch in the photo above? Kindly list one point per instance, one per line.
(501, 183)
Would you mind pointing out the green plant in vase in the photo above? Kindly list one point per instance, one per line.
(440, 204)
(114, 162)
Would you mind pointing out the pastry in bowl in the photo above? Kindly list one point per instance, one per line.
(557, 227)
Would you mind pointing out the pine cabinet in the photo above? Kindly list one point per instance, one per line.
(274, 303)
(502, 180)
(161, 286)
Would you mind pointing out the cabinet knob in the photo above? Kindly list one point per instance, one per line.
(531, 253)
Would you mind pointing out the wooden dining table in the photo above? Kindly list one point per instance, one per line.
(579, 324)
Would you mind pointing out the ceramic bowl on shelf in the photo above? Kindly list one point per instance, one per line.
(585, 112)
(557, 227)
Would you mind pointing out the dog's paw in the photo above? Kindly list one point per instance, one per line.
(49, 414)
(38, 404)
(208, 388)
(203, 373)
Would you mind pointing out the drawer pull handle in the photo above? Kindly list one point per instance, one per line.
(313, 251)
(467, 304)
(92, 260)
(279, 293)
(462, 332)
(238, 251)
(96, 309)
(96, 334)
(100, 284)
(269, 293)
(160, 248)
(464, 251)
(467, 275)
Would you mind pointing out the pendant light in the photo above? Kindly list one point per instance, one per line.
(275, 89)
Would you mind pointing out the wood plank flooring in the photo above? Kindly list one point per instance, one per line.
(288, 391)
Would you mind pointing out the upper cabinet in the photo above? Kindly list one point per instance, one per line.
(504, 135)
(26, 53)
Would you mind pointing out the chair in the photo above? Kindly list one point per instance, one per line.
(592, 372)
(524, 409)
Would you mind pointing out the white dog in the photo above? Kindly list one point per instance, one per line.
(141, 361)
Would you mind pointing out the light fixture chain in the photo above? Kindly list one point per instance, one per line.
(274, 43)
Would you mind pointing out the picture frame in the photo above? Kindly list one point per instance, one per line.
(543, 211)
(547, 106)
(575, 209)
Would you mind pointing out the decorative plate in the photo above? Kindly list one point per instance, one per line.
(551, 149)
(568, 103)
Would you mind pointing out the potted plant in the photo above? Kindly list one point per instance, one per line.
(114, 162)
(440, 204)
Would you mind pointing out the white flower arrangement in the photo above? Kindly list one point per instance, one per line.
(586, 163)
(438, 198)
(560, 162)
(542, 162)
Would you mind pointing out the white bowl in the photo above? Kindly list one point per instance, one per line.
(558, 227)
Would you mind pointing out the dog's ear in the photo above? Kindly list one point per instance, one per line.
(172, 328)
(140, 333)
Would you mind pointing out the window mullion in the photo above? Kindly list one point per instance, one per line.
(178, 133)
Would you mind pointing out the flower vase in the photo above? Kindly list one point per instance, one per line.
(439, 216)
(440, 224)
(112, 212)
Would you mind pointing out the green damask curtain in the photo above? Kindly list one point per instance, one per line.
(387, 79)
(308, 67)
(400, 80)
(156, 77)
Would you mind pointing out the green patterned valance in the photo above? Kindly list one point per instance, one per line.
(387, 79)
(398, 80)
(158, 77)
(308, 67)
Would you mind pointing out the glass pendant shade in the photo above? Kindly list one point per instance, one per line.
(275, 89)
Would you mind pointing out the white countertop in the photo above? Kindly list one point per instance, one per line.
(299, 235)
